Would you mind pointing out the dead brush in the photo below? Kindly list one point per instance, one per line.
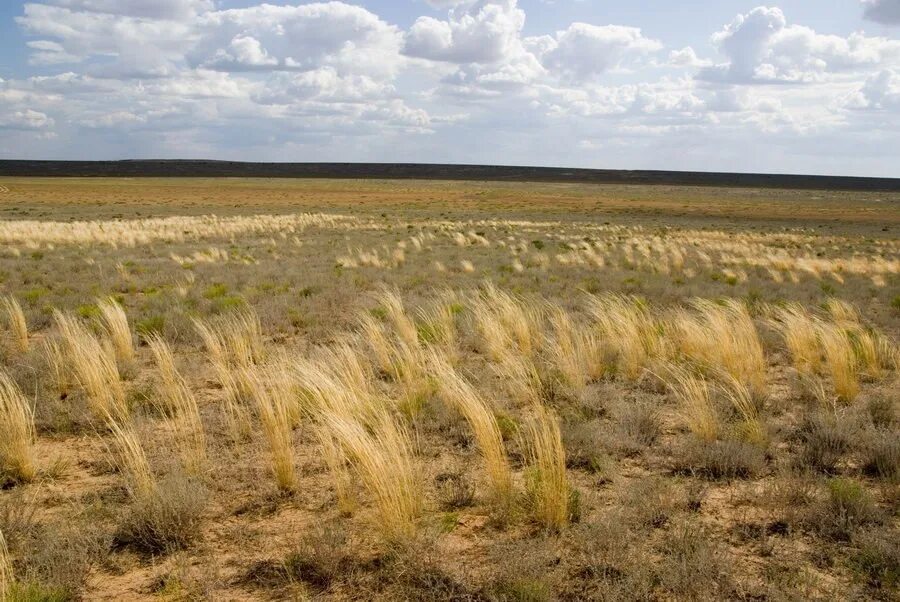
(627, 326)
(17, 428)
(382, 457)
(15, 319)
(118, 332)
(94, 369)
(179, 406)
(462, 396)
(550, 496)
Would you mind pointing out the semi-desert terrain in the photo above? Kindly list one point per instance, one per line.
(271, 389)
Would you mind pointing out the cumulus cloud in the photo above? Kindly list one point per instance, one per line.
(333, 80)
(484, 32)
(761, 47)
(882, 11)
(152, 9)
(583, 51)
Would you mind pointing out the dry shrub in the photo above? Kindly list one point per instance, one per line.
(461, 395)
(168, 518)
(693, 567)
(881, 454)
(15, 319)
(845, 507)
(877, 560)
(549, 495)
(826, 438)
(725, 458)
(17, 438)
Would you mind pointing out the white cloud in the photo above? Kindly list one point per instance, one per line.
(883, 11)
(26, 119)
(485, 32)
(762, 48)
(584, 51)
(152, 9)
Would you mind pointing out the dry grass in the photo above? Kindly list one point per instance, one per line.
(115, 323)
(179, 406)
(7, 577)
(383, 459)
(695, 406)
(17, 428)
(723, 337)
(277, 410)
(800, 332)
(15, 319)
(94, 369)
(840, 361)
(461, 395)
(128, 455)
(628, 328)
(550, 495)
(388, 425)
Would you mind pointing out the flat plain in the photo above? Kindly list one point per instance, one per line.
(267, 389)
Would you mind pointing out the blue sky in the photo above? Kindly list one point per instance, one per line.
(792, 86)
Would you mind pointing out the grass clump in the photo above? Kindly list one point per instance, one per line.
(17, 438)
(550, 497)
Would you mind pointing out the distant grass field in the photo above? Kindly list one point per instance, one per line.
(254, 389)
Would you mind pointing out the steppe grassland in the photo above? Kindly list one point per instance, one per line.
(251, 389)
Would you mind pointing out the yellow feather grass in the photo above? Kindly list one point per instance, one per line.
(695, 405)
(115, 323)
(382, 456)
(94, 369)
(840, 361)
(549, 491)
(131, 460)
(462, 396)
(180, 408)
(628, 328)
(276, 407)
(17, 428)
(18, 326)
(7, 576)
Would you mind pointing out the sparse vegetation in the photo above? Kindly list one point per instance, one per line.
(430, 391)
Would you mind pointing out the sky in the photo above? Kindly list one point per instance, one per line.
(800, 86)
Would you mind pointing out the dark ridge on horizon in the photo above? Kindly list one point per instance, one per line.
(424, 171)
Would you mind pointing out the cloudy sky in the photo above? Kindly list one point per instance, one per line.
(804, 86)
